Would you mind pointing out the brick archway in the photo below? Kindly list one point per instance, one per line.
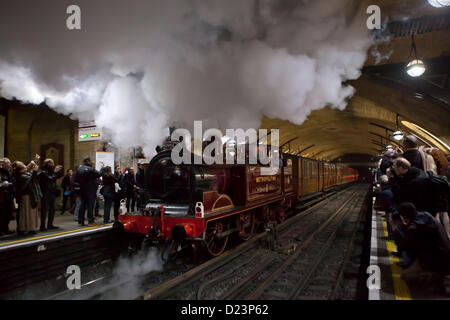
(53, 151)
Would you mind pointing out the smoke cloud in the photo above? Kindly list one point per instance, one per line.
(138, 67)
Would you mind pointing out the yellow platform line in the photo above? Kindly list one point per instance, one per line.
(400, 287)
(50, 235)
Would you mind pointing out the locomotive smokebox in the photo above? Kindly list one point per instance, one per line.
(178, 233)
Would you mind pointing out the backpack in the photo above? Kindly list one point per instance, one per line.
(438, 183)
(439, 191)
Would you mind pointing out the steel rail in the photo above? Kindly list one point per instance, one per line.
(260, 290)
(306, 279)
(348, 253)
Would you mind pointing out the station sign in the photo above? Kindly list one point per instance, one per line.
(88, 131)
(143, 161)
(104, 159)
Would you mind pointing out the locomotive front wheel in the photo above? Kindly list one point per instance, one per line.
(246, 223)
(214, 242)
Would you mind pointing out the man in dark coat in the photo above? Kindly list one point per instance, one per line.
(87, 177)
(6, 196)
(409, 184)
(386, 161)
(425, 241)
(47, 180)
(108, 191)
(411, 152)
(67, 191)
(129, 182)
(77, 196)
(140, 176)
(119, 192)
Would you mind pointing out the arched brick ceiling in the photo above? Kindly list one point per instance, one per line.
(331, 134)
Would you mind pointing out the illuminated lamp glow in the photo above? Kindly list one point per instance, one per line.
(416, 68)
(397, 135)
(439, 3)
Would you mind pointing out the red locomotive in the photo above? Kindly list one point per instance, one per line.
(205, 204)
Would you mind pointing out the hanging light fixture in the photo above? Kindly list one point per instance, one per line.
(397, 135)
(415, 67)
(439, 3)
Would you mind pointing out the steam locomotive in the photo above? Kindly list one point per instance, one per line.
(206, 204)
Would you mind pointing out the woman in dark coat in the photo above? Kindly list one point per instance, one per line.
(108, 192)
(28, 194)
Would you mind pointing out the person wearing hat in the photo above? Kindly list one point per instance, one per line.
(416, 155)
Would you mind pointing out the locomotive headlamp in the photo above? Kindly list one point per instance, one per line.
(199, 210)
(397, 135)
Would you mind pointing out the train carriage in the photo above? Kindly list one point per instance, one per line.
(309, 176)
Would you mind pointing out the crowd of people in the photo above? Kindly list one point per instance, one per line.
(25, 188)
(414, 193)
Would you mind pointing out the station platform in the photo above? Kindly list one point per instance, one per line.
(382, 255)
(67, 227)
(40, 261)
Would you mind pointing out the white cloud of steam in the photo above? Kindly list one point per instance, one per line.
(128, 275)
(140, 66)
(127, 279)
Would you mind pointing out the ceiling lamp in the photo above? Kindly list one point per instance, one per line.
(397, 135)
(439, 3)
(416, 67)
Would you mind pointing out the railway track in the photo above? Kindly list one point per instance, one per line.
(298, 272)
(251, 271)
